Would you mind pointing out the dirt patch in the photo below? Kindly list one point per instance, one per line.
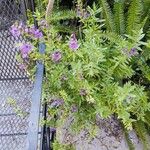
(110, 136)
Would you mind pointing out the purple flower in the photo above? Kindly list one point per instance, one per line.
(15, 31)
(25, 49)
(133, 52)
(82, 13)
(130, 53)
(57, 103)
(79, 13)
(56, 56)
(83, 92)
(31, 30)
(73, 43)
(38, 34)
(74, 108)
(86, 15)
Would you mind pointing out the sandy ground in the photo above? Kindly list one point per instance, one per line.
(109, 137)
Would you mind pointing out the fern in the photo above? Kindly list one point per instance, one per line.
(146, 71)
(134, 16)
(146, 5)
(112, 37)
(61, 21)
(62, 15)
(143, 66)
(119, 16)
(142, 134)
(107, 15)
(60, 28)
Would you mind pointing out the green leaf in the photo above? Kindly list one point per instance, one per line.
(134, 16)
(119, 16)
(108, 16)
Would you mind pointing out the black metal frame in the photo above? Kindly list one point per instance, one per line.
(47, 136)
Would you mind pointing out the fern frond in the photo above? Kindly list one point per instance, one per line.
(119, 16)
(142, 134)
(146, 14)
(146, 5)
(62, 15)
(113, 38)
(108, 16)
(144, 67)
(134, 16)
(60, 28)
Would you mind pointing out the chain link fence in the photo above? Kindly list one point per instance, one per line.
(11, 10)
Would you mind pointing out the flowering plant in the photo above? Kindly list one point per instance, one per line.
(91, 75)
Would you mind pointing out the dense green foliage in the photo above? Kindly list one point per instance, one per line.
(109, 73)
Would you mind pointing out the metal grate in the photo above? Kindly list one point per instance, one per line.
(15, 104)
(9, 67)
(11, 10)
(15, 87)
(15, 94)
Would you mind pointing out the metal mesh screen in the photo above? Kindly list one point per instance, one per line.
(11, 10)
(9, 68)
(14, 111)
(15, 87)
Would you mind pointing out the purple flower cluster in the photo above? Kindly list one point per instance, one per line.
(33, 31)
(74, 108)
(25, 49)
(56, 56)
(73, 43)
(82, 13)
(132, 52)
(57, 103)
(38, 34)
(15, 31)
(19, 28)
